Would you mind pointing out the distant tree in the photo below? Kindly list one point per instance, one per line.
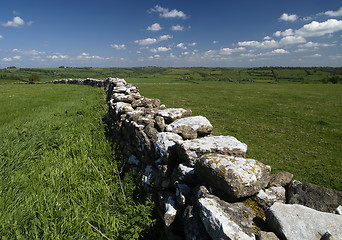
(11, 67)
(61, 67)
(34, 77)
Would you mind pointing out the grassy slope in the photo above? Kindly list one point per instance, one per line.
(292, 127)
(49, 187)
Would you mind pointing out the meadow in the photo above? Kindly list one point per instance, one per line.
(58, 178)
(292, 127)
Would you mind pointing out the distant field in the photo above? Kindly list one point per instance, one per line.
(292, 127)
(51, 137)
(158, 74)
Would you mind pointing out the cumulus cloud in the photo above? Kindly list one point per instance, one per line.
(87, 56)
(315, 45)
(288, 18)
(166, 13)
(32, 52)
(17, 22)
(317, 29)
(165, 37)
(279, 51)
(182, 46)
(160, 49)
(146, 41)
(1, 36)
(177, 28)
(118, 46)
(257, 44)
(17, 57)
(288, 40)
(154, 27)
(229, 51)
(337, 13)
(7, 59)
(58, 56)
(192, 44)
(287, 32)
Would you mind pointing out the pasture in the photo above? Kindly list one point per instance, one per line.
(54, 160)
(291, 127)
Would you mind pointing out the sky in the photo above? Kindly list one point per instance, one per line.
(170, 33)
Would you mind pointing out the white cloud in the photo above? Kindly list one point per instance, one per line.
(177, 28)
(182, 46)
(315, 45)
(28, 52)
(215, 42)
(279, 51)
(229, 51)
(17, 22)
(87, 56)
(192, 44)
(60, 56)
(317, 55)
(7, 59)
(267, 38)
(287, 17)
(118, 46)
(165, 37)
(166, 13)
(154, 27)
(146, 41)
(17, 57)
(337, 13)
(291, 40)
(160, 49)
(1, 36)
(287, 32)
(317, 29)
(257, 44)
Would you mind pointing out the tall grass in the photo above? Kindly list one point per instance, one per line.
(292, 127)
(54, 159)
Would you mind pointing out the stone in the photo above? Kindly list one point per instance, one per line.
(132, 160)
(121, 97)
(280, 179)
(267, 197)
(267, 236)
(121, 107)
(313, 196)
(338, 210)
(159, 123)
(183, 194)
(191, 127)
(224, 220)
(190, 150)
(184, 174)
(171, 114)
(295, 221)
(235, 176)
(146, 102)
(168, 203)
(165, 143)
(193, 227)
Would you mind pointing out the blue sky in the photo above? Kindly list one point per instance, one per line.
(124, 33)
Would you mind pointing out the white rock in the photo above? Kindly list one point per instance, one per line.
(197, 123)
(165, 140)
(269, 196)
(295, 221)
(121, 107)
(235, 176)
(338, 210)
(171, 114)
(191, 150)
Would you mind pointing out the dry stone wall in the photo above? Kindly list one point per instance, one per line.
(200, 180)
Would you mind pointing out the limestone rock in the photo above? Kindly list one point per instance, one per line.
(183, 193)
(191, 127)
(224, 220)
(171, 114)
(338, 210)
(190, 150)
(184, 174)
(159, 123)
(167, 201)
(146, 102)
(121, 97)
(280, 179)
(295, 221)
(165, 143)
(238, 177)
(313, 196)
(121, 107)
(269, 196)
(267, 236)
(193, 227)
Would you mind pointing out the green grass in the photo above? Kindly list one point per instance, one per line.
(292, 127)
(49, 137)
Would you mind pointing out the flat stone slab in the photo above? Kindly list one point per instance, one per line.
(236, 176)
(224, 220)
(267, 197)
(165, 141)
(191, 127)
(171, 114)
(191, 150)
(293, 222)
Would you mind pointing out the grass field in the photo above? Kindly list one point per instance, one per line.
(292, 127)
(53, 156)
